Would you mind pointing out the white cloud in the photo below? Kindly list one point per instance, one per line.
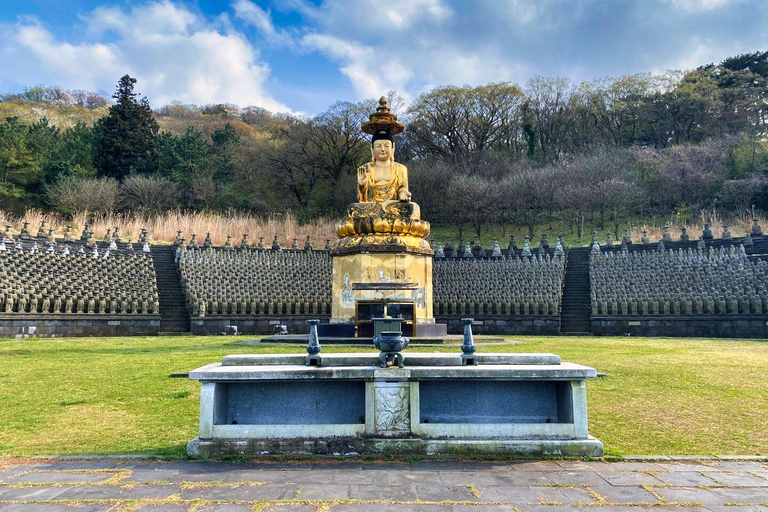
(356, 17)
(371, 73)
(251, 13)
(84, 64)
(406, 45)
(697, 52)
(700, 6)
(403, 45)
(174, 53)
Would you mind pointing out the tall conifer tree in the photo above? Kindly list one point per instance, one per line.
(127, 135)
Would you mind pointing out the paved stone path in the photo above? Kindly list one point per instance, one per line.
(32, 485)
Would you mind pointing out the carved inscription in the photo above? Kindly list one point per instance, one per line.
(392, 409)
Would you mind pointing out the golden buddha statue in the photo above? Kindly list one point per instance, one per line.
(385, 214)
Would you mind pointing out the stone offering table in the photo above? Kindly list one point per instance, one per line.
(507, 404)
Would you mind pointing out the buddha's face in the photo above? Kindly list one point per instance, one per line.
(383, 150)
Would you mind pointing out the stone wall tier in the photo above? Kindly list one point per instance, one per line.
(710, 326)
(56, 326)
(529, 324)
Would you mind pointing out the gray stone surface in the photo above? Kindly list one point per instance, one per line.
(250, 324)
(514, 404)
(548, 485)
(296, 402)
(17, 325)
(413, 359)
(517, 324)
(563, 371)
(713, 326)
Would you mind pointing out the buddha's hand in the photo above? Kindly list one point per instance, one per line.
(362, 174)
(403, 194)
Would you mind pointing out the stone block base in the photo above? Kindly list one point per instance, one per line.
(251, 324)
(589, 447)
(718, 326)
(77, 325)
(512, 404)
(530, 324)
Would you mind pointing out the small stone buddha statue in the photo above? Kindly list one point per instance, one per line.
(385, 214)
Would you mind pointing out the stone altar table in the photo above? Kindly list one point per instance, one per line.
(507, 404)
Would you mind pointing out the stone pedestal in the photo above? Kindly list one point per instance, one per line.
(508, 404)
(372, 269)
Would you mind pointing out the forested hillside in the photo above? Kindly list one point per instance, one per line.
(503, 153)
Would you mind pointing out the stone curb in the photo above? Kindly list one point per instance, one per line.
(607, 459)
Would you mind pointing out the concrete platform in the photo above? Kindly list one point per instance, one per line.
(520, 404)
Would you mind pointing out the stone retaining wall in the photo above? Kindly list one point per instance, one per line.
(56, 326)
(718, 326)
(529, 324)
(252, 324)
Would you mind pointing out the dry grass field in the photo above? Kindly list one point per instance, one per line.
(162, 228)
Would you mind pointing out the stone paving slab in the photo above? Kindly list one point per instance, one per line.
(164, 508)
(51, 476)
(35, 507)
(686, 479)
(739, 479)
(699, 485)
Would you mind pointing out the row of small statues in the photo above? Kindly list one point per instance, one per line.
(46, 233)
(223, 306)
(681, 306)
(757, 231)
(538, 307)
(34, 304)
(518, 285)
(255, 282)
(44, 282)
(245, 243)
(476, 250)
(674, 282)
(50, 247)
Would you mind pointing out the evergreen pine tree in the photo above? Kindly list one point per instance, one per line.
(225, 142)
(127, 135)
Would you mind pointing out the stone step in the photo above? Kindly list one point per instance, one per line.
(174, 316)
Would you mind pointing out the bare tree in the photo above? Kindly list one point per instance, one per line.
(526, 192)
(475, 200)
(549, 107)
(294, 161)
(339, 140)
(74, 195)
(154, 194)
(256, 116)
(573, 194)
(740, 194)
(429, 182)
(455, 122)
(689, 173)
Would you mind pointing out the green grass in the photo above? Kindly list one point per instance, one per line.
(114, 395)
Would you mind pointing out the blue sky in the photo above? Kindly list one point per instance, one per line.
(303, 55)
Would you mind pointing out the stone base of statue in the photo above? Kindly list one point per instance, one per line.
(382, 267)
(509, 404)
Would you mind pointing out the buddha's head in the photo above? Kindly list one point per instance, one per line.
(382, 147)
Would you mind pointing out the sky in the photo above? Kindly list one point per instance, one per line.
(301, 56)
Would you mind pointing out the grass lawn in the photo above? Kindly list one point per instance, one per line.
(114, 395)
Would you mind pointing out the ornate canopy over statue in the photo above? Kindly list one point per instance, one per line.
(385, 216)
